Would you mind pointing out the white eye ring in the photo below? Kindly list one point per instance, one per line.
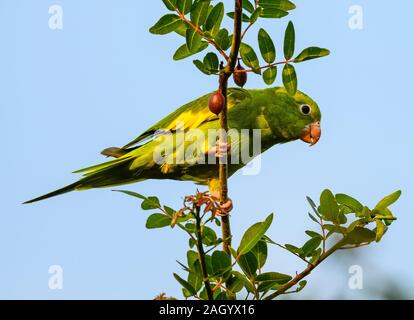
(305, 109)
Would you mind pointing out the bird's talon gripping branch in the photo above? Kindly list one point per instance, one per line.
(222, 149)
(225, 207)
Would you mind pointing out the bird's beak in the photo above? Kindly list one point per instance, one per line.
(311, 133)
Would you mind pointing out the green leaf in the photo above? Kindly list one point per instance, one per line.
(269, 75)
(380, 230)
(253, 235)
(211, 62)
(209, 236)
(311, 245)
(182, 29)
(267, 47)
(195, 276)
(293, 249)
(313, 234)
(191, 243)
(221, 262)
(290, 80)
(388, 200)
(313, 218)
(185, 284)
(268, 280)
(315, 255)
(170, 4)
(214, 19)
(246, 283)
(329, 208)
(311, 53)
(198, 14)
(245, 18)
(249, 57)
(183, 52)
(260, 251)
(248, 6)
(200, 65)
(302, 285)
(289, 43)
(279, 278)
(273, 13)
(193, 40)
(383, 213)
(158, 220)
(335, 228)
(360, 235)
(223, 39)
(190, 227)
(314, 207)
(150, 203)
(234, 284)
(349, 202)
(256, 14)
(278, 4)
(132, 194)
(167, 24)
(192, 257)
(184, 6)
(248, 263)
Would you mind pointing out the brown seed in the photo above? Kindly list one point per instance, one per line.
(240, 78)
(216, 102)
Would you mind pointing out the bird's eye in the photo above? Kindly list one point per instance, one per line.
(305, 109)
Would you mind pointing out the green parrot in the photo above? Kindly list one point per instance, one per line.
(279, 117)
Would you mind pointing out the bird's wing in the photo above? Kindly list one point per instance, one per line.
(189, 116)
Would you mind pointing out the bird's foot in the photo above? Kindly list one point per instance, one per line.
(224, 208)
(221, 149)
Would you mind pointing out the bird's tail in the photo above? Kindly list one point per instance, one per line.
(108, 174)
(63, 190)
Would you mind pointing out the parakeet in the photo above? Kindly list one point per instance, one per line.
(279, 117)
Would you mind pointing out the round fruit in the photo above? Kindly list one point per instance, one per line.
(240, 78)
(216, 102)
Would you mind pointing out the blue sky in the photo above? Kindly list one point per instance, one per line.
(103, 79)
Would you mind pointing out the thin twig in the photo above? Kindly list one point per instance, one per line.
(305, 272)
(247, 29)
(263, 67)
(203, 35)
(283, 247)
(324, 236)
(202, 255)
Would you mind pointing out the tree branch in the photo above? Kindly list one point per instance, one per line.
(264, 67)
(203, 35)
(225, 74)
(305, 272)
(202, 254)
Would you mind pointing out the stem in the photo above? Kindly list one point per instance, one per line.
(247, 29)
(264, 67)
(202, 255)
(223, 83)
(200, 32)
(295, 254)
(305, 272)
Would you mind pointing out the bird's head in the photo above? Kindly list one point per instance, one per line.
(299, 115)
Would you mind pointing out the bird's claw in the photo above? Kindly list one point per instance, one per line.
(224, 208)
(221, 149)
